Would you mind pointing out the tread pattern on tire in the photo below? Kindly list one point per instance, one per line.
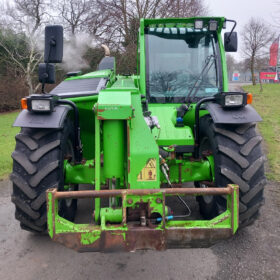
(36, 168)
(240, 161)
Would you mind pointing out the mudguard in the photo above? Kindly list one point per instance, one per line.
(35, 120)
(246, 114)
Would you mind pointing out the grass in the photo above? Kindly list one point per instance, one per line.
(7, 142)
(267, 103)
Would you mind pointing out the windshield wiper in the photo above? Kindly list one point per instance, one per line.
(208, 60)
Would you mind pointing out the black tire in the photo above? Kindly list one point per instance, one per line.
(238, 159)
(38, 164)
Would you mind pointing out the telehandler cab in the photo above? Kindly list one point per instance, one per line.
(136, 140)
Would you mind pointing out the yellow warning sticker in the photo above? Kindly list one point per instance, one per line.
(149, 172)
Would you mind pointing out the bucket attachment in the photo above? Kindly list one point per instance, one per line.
(125, 236)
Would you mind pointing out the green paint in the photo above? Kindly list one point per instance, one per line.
(142, 148)
(88, 238)
(212, 166)
(114, 105)
(113, 145)
(168, 133)
(235, 199)
(80, 173)
(190, 170)
(223, 62)
(111, 215)
(97, 167)
(50, 213)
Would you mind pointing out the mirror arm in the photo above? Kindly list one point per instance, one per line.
(52, 44)
(231, 20)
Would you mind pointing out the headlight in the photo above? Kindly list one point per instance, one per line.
(213, 25)
(231, 99)
(40, 103)
(198, 24)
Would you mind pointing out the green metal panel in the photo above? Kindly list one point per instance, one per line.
(113, 148)
(202, 170)
(223, 62)
(114, 105)
(97, 167)
(125, 82)
(80, 173)
(142, 148)
(111, 215)
(169, 134)
(179, 22)
(142, 59)
(181, 171)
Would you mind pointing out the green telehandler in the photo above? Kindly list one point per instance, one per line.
(136, 140)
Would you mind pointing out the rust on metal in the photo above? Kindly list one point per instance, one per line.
(138, 237)
(124, 218)
(158, 200)
(135, 236)
(141, 192)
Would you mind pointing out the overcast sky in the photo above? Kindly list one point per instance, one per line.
(242, 10)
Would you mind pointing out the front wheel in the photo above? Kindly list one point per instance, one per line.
(239, 160)
(38, 164)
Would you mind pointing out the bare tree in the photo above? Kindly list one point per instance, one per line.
(75, 13)
(123, 14)
(231, 64)
(256, 37)
(26, 18)
(183, 8)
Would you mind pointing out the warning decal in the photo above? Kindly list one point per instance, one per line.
(149, 172)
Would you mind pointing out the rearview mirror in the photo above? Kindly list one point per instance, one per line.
(230, 41)
(46, 73)
(53, 44)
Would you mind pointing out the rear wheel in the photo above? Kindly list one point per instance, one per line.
(38, 164)
(238, 159)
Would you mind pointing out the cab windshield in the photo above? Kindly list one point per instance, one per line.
(181, 64)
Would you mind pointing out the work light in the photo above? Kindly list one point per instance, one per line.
(231, 99)
(40, 103)
(213, 25)
(198, 24)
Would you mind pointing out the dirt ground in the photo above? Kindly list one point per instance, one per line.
(253, 253)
